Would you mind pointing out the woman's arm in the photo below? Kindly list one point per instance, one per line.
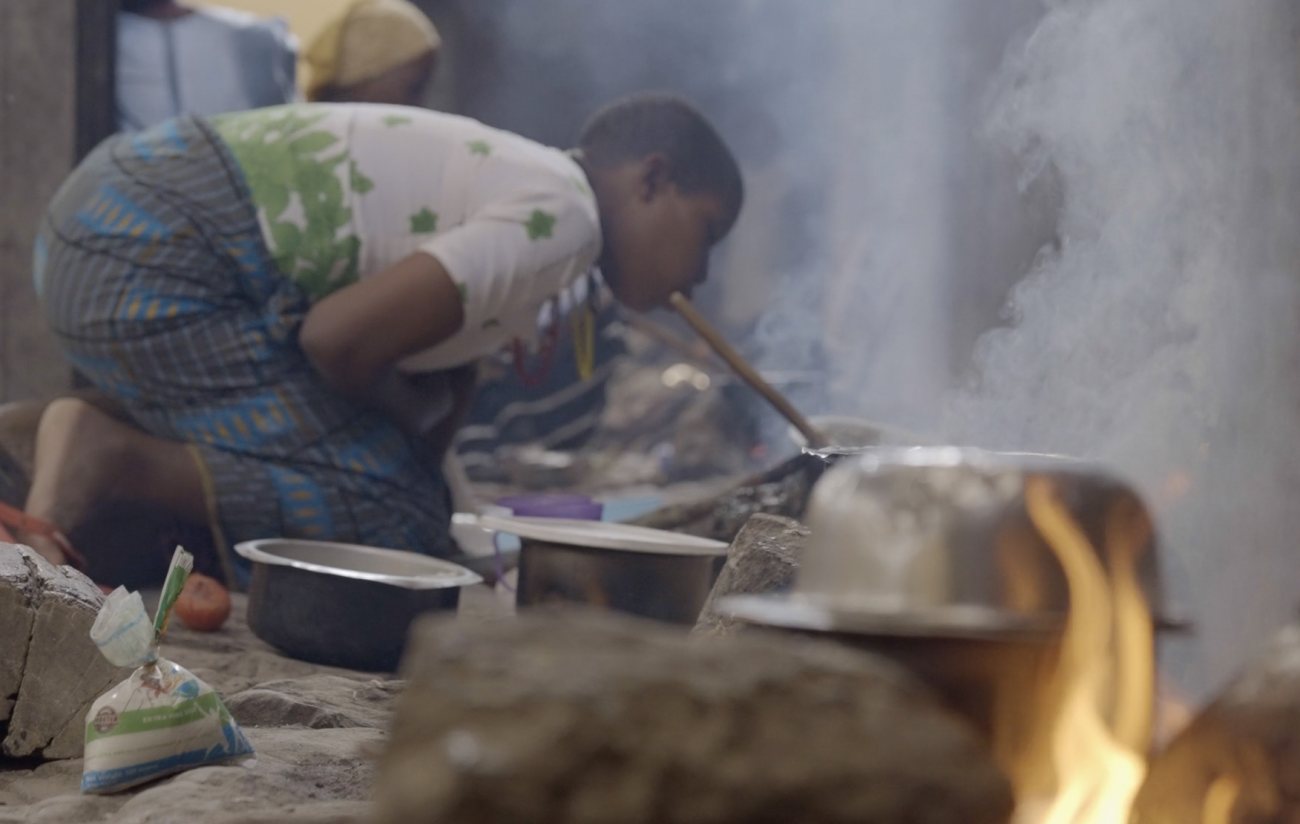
(355, 336)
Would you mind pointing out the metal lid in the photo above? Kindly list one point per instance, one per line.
(604, 535)
(408, 570)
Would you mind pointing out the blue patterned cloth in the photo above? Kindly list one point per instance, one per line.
(152, 271)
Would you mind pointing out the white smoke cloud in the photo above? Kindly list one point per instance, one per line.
(1161, 336)
(1156, 332)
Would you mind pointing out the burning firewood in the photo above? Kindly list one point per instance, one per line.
(1238, 760)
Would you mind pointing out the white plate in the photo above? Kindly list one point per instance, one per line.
(603, 535)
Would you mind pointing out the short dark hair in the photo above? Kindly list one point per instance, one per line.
(641, 124)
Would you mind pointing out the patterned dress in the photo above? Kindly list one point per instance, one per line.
(176, 266)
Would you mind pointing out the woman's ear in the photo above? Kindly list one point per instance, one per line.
(656, 174)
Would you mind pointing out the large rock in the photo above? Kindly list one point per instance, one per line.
(572, 718)
(18, 589)
(59, 669)
(1240, 755)
(764, 558)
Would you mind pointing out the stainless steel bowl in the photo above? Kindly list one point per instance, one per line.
(344, 605)
(670, 588)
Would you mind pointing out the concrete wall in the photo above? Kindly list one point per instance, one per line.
(37, 148)
(55, 103)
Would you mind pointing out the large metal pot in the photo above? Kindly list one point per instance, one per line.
(344, 605)
(928, 556)
(664, 576)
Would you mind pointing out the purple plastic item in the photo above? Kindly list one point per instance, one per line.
(578, 507)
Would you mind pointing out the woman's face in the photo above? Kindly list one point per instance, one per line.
(404, 85)
(657, 237)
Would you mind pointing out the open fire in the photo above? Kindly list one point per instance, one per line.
(1097, 700)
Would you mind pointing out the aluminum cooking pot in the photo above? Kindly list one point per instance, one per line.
(931, 537)
(344, 605)
(664, 576)
(929, 556)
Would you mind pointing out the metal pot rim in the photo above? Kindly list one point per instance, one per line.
(442, 575)
(876, 458)
(613, 537)
(954, 621)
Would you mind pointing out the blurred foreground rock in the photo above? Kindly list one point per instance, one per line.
(764, 558)
(1239, 760)
(50, 670)
(569, 718)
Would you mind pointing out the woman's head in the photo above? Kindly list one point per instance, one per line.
(378, 51)
(668, 190)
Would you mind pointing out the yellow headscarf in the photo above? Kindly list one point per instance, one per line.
(371, 37)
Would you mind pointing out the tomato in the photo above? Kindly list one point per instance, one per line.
(204, 604)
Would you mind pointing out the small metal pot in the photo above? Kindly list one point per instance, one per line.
(344, 605)
(671, 588)
(664, 576)
(929, 557)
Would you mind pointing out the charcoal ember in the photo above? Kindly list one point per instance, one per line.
(783, 491)
(1240, 755)
(568, 717)
(764, 558)
(50, 670)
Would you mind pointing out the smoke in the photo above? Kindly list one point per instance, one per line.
(1160, 334)
(1128, 171)
(880, 233)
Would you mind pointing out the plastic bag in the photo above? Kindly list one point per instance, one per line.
(161, 720)
(122, 630)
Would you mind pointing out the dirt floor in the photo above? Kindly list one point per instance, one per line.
(315, 770)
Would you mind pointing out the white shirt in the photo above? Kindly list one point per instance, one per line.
(346, 190)
(210, 61)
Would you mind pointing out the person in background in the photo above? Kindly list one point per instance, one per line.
(173, 59)
(386, 51)
(377, 51)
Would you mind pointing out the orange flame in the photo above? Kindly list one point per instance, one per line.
(1220, 799)
(1101, 721)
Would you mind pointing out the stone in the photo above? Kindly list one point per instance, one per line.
(1240, 755)
(63, 671)
(764, 558)
(18, 590)
(316, 702)
(582, 718)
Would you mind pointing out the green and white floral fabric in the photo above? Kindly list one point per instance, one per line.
(344, 190)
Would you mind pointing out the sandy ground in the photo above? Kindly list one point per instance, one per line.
(302, 775)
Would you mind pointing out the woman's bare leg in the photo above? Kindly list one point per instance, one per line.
(85, 458)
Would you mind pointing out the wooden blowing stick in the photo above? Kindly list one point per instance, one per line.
(749, 374)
